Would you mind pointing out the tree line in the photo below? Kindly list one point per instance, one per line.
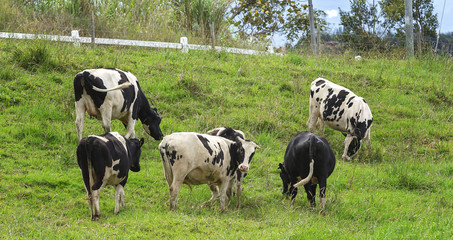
(369, 25)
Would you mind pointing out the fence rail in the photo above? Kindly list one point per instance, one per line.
(183, 45)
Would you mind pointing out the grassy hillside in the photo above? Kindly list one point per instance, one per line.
(402, 189)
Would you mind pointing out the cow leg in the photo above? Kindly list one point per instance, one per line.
(106, 114)
(230, 190)
(174, 191)
(119, 197)
(347, 141)
(293, 195)
(90, 203)
(311, 191)
(322, 193)
(130, 128)
(80, 117)
(223, 188)
(214, 195)
(96, 214)
(238, 193)
(314, 116)
(367, 139)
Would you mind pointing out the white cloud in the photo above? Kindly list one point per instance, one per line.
(332, 13)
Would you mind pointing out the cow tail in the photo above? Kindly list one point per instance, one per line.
(83, 161)
(310, 173)
(166, 164)
(121, 86)
(93, 169)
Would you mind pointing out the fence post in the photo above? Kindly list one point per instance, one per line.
(75, 38)
(270, 50)
(185, 45)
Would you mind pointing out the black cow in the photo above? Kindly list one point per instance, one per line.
(106, 160)
(310, 157)
(97, 92)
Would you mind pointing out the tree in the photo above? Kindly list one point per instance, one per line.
(297, 26)
(262, 18)
(362, 27)
(425, 21)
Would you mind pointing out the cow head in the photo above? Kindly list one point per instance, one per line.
(227, 133)
(353, 144)
(287, 186)
(151, 121)
(246, 152)
(134, 146)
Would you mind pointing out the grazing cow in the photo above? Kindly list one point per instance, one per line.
(342, 110)
(232, 135)
(106, 160)
(308, 161)
(194, 159)
(96, 92)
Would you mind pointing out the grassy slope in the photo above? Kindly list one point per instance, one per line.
(403, 188)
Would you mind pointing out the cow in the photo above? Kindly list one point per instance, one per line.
(106, 160)
(308, 161)
(342, 110)
(194, 158)
(232, 135)
(114, 94)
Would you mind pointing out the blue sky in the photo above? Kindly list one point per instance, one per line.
(331, 7)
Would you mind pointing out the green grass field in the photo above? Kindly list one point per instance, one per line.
(403, 189)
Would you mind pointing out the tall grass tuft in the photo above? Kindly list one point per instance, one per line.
(33, 57)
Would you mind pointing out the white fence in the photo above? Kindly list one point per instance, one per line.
(183, 45)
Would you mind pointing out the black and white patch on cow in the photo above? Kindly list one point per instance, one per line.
(194, 159)
(232, 135)
(342, 110)
(308, 162)
(114, 94)
(106, 160)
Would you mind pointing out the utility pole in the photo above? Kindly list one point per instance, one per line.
(409, 29)
(93, 38)
(312, 27)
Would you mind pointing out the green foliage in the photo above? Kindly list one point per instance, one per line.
(33, 57)
(425, 20)
(361, 25)
(205, 17)
(264, 18)
(297, 27)
(401, 188)
(367, 28)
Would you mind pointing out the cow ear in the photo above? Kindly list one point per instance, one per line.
(142, 141)
(344, 134)
(280, 166)
(257, 147)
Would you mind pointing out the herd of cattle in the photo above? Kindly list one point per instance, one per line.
(221, 157)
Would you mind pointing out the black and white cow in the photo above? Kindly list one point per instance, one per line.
(308, 161)
(96, 92)
(194, 159)
(106, 160)
(342, 110)
(232, 135)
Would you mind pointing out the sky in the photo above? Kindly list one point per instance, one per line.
(331, 8)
